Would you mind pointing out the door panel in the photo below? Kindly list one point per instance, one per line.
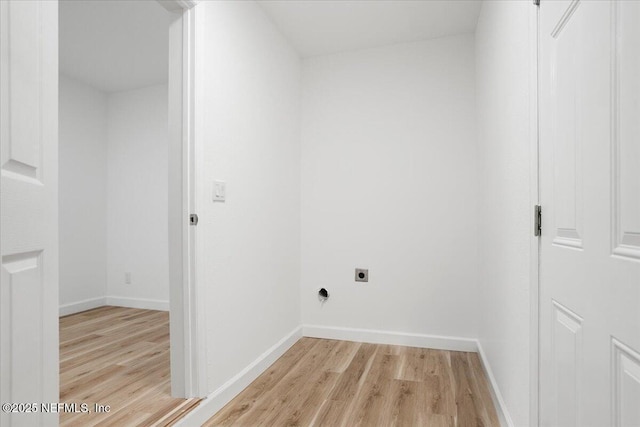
(626, 391)
(28, 208)
(23, 156)
(589, 61)
(566, 84)
(626, 129)
(567, 355)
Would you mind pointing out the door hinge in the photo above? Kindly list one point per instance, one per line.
(537, 220)
(536, 2)
(193, 219)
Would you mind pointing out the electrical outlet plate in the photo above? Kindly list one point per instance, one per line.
(362, 275)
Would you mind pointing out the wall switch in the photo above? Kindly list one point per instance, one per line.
(219, 191)
(127, 278)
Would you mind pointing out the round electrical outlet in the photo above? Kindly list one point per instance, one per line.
(362, 275)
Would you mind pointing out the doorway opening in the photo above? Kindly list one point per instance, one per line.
(115, 220)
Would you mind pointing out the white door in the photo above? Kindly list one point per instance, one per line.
(590, 194)
(28, 208)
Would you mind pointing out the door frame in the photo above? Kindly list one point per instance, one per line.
(187, 340)
(534, 241)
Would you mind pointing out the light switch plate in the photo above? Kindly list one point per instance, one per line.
(219, 191)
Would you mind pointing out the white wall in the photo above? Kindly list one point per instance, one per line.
(82, 196)
(137, 192)
(389, 183)
(113, 197)
(247, 130)
(503, 67)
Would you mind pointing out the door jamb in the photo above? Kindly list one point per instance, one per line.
(188, 351)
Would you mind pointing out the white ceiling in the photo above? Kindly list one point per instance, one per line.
(117, 45)
(318, 27)
(114, 45)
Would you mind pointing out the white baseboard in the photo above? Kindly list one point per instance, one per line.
(147, 304)
(88, 304)
(225, 393)
(389, 337)
(501, 407)
(79, 306)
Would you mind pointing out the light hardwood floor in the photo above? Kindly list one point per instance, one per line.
(339, 383)
(119, 357)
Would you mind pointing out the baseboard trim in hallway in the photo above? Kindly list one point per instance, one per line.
(498, 400)
(143, 303)
(436, 342)
(225, 393)
(90, 304)
(80, 306)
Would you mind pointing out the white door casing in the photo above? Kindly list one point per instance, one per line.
(29, 208)
(188, 357)
(589, 65)
(188, 369)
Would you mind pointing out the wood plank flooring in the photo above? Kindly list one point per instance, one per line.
(339, 383)
(118, 357)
